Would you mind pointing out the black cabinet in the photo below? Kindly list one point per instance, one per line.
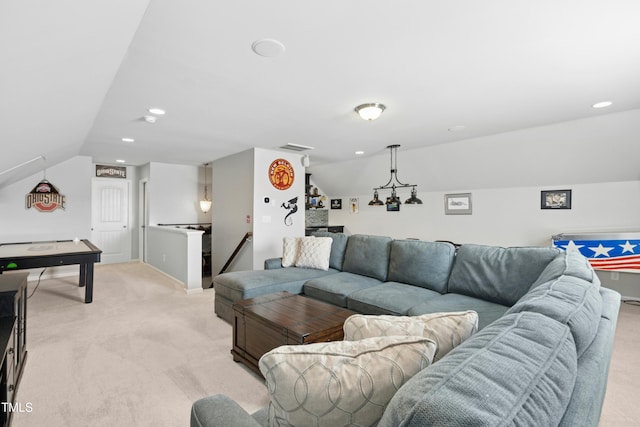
(13, 338)
(330, 228)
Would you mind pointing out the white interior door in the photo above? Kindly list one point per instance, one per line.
(110, 219)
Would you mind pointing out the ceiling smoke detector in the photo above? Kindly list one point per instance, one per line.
(269, 48)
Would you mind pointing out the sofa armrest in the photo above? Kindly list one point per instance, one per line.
(220, 410)
(272, 263)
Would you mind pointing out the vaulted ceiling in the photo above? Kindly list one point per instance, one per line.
(76, 77)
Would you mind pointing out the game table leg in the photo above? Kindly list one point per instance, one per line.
(88, 290)
(83, 275)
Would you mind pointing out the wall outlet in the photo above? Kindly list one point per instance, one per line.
(615, 275)
(164, 257)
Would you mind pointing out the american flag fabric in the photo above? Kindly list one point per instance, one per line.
(609, 254)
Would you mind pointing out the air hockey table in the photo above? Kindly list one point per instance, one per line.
(20, 256)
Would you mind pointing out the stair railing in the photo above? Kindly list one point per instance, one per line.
(246, 237)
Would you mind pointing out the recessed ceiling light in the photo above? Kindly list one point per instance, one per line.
(268, 48)
(602, 104)
(359, 153)
(150, 119)
(157, 111)
(128, 140)
(120, 161)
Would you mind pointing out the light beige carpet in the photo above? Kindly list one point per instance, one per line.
(621, 406)
(143, 351)
(138, 355)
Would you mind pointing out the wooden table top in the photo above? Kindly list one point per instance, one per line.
(297, 314)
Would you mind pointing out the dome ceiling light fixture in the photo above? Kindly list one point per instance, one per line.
(394, 183)
(370, 111)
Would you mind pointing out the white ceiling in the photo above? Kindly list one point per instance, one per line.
(77, 76)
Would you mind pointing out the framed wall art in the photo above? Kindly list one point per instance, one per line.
(555, 199)
(457, 204)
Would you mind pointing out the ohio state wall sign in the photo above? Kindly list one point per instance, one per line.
(45, 197)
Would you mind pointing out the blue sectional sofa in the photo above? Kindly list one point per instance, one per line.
(541, 355)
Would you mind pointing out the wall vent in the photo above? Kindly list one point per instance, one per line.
(296, 147)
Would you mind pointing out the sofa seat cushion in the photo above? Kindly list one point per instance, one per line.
(448, 330)
(500, 275)
(340, 383)
(335, 288)
(388, 298)
(520, 370)
(569, 300)
(487, 311)
(367, 256)
(238, 285)
(420, 263)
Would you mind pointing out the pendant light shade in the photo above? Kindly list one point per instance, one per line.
(375, 201)
(205, 203)
(413, 200)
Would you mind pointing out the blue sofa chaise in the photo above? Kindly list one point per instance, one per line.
(541, 355)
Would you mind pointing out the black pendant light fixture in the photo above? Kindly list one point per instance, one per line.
(394, 183)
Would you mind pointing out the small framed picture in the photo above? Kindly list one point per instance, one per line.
(555, 199)
(336, 203)
(457, 204)
(354, 205)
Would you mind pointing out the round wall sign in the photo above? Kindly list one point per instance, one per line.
(281, 174)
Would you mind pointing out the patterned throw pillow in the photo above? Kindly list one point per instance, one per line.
(314, 252)
(340, 383)
(448, 330)
(290, 250)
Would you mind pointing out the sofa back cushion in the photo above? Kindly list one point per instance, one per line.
(570, 300)
(338, 247)
(570, 263)
(420, 263)
(448, 329)
(367, 256)
(520, 370)
(496, 274)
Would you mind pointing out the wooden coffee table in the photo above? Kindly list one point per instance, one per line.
(263, 323)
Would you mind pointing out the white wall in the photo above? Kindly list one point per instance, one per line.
(174, 194)
(232, 196)
(177, 252)
(73, 179)
(240, 186)
(269, 227)
(505, 216)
